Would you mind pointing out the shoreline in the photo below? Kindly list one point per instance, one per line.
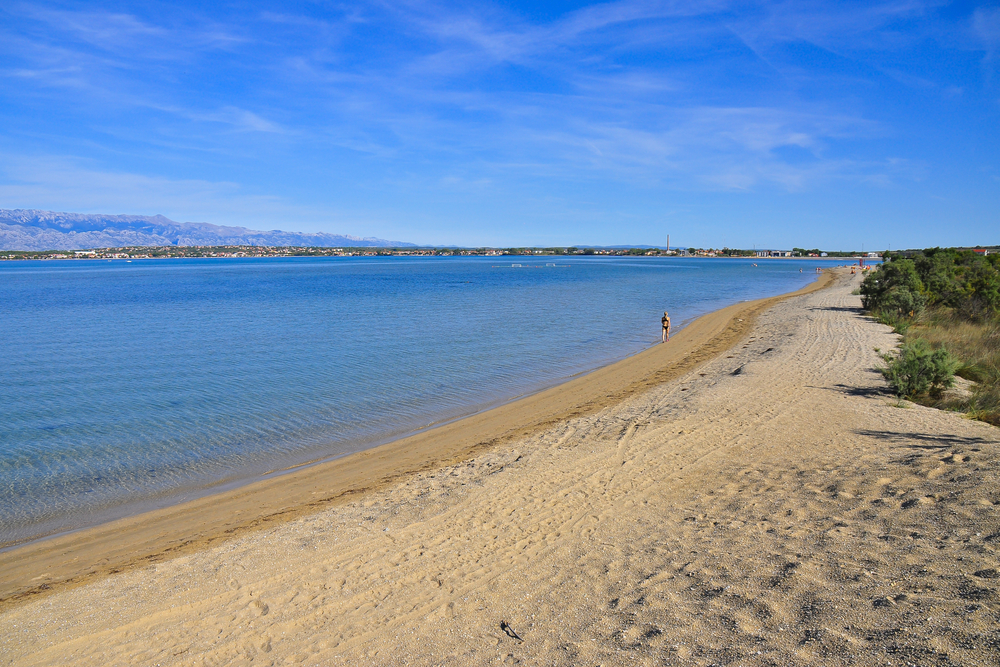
(849, 259)
(370, 437)
(50, 564)
(773, 505)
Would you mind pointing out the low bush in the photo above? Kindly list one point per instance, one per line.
(894, 287)
(917, 370)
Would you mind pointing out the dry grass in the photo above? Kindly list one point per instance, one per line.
(977, 346)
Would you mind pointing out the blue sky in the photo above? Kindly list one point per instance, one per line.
(774, 124)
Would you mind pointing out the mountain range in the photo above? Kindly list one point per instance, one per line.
(28, 229)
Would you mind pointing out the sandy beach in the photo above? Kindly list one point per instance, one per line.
(747, 494)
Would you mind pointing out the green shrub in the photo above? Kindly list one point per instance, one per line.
(902, 301)
(917, 370)
(894, 286)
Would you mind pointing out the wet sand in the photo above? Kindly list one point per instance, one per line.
(745, 494)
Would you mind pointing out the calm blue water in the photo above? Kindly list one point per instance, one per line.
(129, 385)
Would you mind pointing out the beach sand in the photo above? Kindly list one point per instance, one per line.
(757, 503)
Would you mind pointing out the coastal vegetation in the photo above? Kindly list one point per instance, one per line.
(946, 305)
(917, 369)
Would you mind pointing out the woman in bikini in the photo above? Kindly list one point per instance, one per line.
(665, 321)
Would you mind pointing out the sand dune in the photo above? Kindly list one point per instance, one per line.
(772, 506)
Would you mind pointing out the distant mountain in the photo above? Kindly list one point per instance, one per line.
(25, 229)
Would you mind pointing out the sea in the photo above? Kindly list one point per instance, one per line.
(126, 386)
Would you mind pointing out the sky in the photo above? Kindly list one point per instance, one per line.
(836, 125)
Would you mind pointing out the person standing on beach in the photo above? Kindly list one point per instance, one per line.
(665, 321)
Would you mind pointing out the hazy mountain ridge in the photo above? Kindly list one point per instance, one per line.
(28, 229)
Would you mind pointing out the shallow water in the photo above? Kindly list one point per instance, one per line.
(131, 385)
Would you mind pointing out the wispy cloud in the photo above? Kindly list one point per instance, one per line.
(239, 120)
(28, 179)
(104, 30)
(69, 184)
(716, 148)
(749, 97)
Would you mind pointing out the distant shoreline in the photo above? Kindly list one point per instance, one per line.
(256, 252)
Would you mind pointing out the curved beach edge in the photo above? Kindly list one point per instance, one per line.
(45, 566)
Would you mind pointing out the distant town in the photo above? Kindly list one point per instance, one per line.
(157, 252)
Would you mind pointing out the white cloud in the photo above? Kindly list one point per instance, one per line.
(66, 184)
